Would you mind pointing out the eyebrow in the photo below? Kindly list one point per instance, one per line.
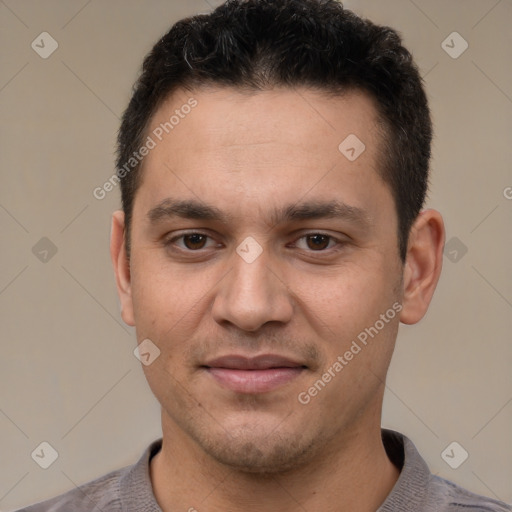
(309, 210)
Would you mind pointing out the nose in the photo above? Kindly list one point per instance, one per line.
(252, 294)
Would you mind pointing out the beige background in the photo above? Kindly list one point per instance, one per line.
(68, 373)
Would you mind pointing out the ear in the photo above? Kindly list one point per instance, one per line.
(121, 266)
(423, 265)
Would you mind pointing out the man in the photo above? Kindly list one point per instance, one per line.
(273, 163)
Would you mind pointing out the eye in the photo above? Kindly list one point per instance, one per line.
(317, 242)
(189, 241)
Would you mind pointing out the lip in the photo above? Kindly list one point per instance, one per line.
(259, 374)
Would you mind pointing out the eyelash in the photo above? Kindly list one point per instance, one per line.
(338, 243)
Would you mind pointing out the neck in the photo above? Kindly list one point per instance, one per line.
(355, 475)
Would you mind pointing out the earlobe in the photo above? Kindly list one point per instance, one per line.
(121, 266)
(423, 265)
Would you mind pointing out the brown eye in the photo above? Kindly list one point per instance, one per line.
(318, 241)
(194, 241)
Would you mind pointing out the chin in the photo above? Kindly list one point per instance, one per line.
(254, 452)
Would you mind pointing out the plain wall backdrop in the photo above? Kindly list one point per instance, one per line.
(68, 373)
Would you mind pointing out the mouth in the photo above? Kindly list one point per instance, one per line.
(259, 374)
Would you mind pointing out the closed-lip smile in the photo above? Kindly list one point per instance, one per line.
(258, 374)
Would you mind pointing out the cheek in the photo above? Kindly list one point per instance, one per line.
(345, 299)
(167, 298)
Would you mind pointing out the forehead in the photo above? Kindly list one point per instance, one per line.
(222, 114)
(281, 142)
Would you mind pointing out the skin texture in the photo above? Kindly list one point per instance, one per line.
(250, 155)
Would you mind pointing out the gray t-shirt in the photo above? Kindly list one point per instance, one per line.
(416, 489)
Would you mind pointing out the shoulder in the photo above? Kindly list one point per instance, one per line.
(419, 490)
(98, 495)
(128, 488)
(446, 495)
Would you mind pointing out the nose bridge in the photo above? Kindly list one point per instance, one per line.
(251, 274)
(251, 294)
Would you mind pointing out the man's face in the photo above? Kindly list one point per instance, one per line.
(250, 290)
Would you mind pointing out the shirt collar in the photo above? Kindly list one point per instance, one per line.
(408, 493)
